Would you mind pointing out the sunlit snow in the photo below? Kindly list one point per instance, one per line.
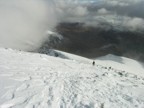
(29, 80)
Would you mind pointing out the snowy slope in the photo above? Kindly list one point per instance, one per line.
(122, 63)
(29, 80)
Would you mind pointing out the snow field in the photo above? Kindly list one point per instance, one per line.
(29, 80)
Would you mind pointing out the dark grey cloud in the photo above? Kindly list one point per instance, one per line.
(131, 8)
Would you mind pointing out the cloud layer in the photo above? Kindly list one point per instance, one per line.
(123, 14)
(23, 23)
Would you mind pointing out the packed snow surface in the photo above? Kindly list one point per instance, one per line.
(29, 80)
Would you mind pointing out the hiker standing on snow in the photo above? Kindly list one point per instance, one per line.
(93, 63)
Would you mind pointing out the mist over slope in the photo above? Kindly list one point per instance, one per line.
(23, 23)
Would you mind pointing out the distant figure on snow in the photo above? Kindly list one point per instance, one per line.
(93, 63)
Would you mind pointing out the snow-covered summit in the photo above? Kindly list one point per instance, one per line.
(29, 80)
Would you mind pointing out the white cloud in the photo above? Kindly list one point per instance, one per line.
(23, 23)
(134, 23)
(80, 11)
(103, 11)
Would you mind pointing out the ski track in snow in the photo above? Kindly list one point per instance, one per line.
(49, 82)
